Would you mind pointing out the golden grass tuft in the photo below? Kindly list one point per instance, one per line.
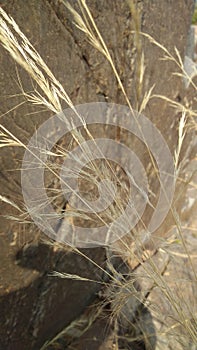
(120, 290)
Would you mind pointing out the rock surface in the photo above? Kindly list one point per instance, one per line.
(35, 306)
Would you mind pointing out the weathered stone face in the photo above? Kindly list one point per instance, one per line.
(34, 306)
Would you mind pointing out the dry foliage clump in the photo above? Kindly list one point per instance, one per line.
(174, 315)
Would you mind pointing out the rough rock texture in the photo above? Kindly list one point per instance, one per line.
(34, 306)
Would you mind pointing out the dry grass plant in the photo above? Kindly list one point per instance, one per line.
(50, 96)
